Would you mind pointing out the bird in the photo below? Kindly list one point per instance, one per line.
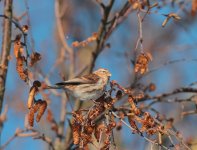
(88, 87)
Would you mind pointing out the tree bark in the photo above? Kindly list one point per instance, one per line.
(5, 50)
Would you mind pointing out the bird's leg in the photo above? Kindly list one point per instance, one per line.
(107, 94)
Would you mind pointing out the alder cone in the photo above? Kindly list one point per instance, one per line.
(19, 68)
(98, 131)
(35, 57)
(41, 110)
(76, 132)
(141, 64)
(18, 48)
(49, 115)
(152, 87)
(31, 117)
(30, 100)
(132, 123)
(37, 105)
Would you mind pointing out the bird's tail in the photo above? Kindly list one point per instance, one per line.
(54, 87)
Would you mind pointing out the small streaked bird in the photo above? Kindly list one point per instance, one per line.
(87, 87)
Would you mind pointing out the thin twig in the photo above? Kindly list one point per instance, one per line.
(176, 91)
(167, 64)
(25, 133)
(101, 34)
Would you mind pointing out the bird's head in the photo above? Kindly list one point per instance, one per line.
(102, 72)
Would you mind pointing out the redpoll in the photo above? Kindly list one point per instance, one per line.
(87, 87)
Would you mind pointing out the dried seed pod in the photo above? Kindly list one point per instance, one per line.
(99, 129)
(131, 102)
(194, 7)
(89, 128)
(165, 22)
(171, 15)
(54, 127)
(25, 28)
(142, 61)
(96, 111)
(137, 94)
(85, 139)
(119, 94)
(111, 126)
(119, 126)
(76, 129)
(94, 36)
(49, 115)
(169, 123)
(174, 16)
(31, 117)
(20, 59)
(37, 105)
(77, 115)
(23, 73)
(34, 58)
(32, 93)
(152, 87)
(52, 121)
(3, 115)
(135, 4)
(41, 110)
(36, 83)
(132, 123)
(151, 131)
(85, 42)
(75, 44)
(136, 111)
(148, 123)
(17, 46)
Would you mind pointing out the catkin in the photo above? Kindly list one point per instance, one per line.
(41, 110)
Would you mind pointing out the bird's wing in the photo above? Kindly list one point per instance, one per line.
(87, 79)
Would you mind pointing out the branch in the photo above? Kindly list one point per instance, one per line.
(167, 64)
(176, 91)
(140, 36)
(119, 18)
(5, 50)
(101, 33)
(132, 129)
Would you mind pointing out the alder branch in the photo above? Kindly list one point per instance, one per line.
(175, 100)
(101, 33)
(191, 112)
(171, 62)
(5, 50)
(176, 91)
(118, 19)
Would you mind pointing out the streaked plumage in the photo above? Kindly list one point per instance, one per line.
(88, 87)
